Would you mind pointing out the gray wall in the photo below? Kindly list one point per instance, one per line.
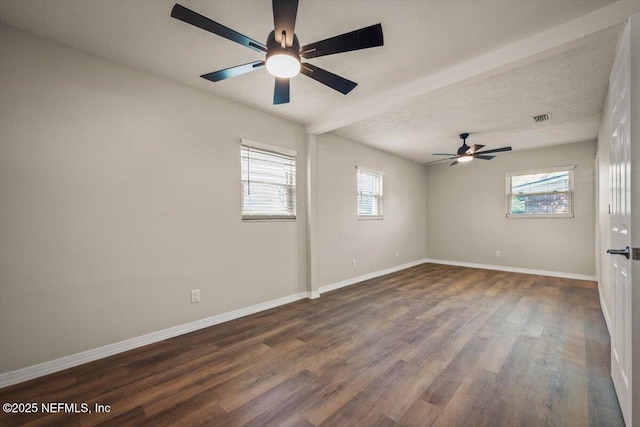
(466, 214)
(119, 193)
(372, 243)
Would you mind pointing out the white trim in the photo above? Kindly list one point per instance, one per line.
(605, 312)
(369, 170)
(268, 147)
(542, 170)
(314, 294)
(247, 146)
(379, 194)
(354, 280)
(570, 192)
(540, 216)
(516, 269)
(35, 371)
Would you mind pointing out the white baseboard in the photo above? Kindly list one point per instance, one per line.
(515, 270)
(605, 311)
(35, 371)
(354, 280)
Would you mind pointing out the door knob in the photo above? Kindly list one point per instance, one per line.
(624, 252)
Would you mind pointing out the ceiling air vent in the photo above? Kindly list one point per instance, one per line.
(542, 117)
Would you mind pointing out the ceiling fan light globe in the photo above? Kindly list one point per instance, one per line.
(465, 159)
(283, 65)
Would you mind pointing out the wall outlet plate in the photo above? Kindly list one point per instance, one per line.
(195, 296)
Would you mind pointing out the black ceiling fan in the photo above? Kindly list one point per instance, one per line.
(283, 51)
(466, 153)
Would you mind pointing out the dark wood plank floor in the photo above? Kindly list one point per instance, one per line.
(430, 345)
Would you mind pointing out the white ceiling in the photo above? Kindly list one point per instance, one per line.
(563, 69)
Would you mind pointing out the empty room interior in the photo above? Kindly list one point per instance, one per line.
(320, 213)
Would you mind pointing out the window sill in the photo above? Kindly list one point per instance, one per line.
(268, 219)
(370, 217)
(550, 216)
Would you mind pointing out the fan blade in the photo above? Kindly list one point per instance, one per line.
(442, 154)
(284, 19)
(355, 40)
(455, 162)
(334, 81)
(479, 156)
(216, 76)
(475, 148)
(281, 91)
(441, 160)
(495, 150)
(190, 17)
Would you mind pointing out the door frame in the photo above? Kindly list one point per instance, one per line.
(634, 51)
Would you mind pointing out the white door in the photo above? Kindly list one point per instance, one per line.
(621, 339)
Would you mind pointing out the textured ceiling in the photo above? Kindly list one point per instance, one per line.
(421, 38)
(571, 86)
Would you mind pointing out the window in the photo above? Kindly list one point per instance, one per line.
(370, 200)
(268, 182)
(540, 194)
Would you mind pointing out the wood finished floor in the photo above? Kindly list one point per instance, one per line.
(430, 345)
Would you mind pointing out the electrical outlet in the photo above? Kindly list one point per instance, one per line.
(397, 254)
(498, 254)
(195, 296)
(353, 263)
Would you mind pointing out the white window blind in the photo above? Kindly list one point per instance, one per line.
(540, 194)
(370, 195)
(268, 184)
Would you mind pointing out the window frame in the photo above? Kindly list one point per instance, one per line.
(570, 192)
(379, 196)
(278, 151)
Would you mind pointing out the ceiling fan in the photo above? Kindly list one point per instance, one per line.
(466, 153)
(283, 51)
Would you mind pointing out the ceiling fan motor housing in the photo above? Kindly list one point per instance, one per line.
(275, 48)
(464, 148)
